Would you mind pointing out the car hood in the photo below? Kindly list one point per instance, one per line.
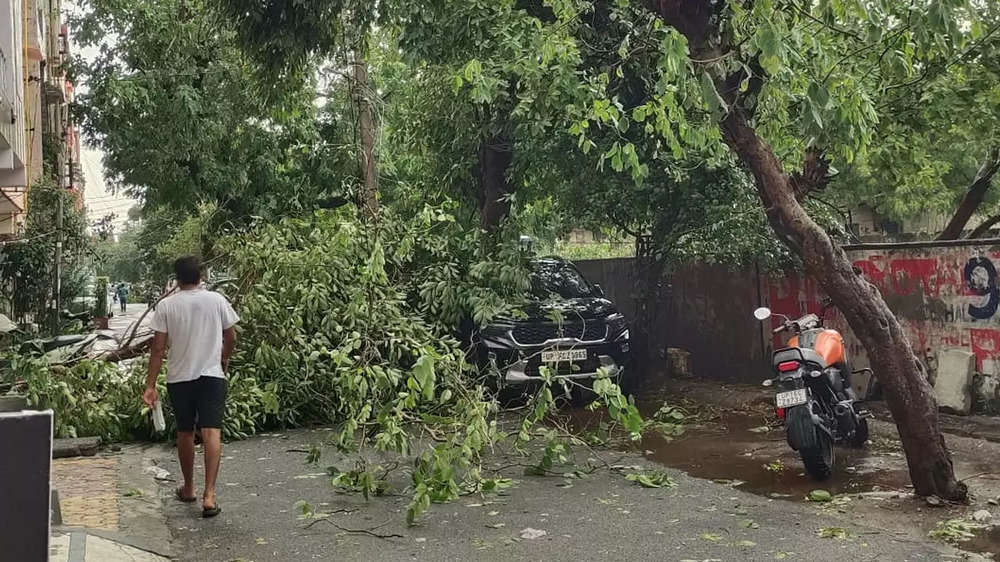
(587, 308)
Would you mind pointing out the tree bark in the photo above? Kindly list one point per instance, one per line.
(973, 197)
(907, 392)
(368, 132)
(495, 158)
(984, 228)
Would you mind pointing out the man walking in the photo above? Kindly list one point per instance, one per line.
(198, 326)
(122, 294)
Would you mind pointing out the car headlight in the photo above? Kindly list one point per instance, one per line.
(617, 327)
(494, 331)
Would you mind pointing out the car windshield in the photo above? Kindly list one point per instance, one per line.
(561, 279)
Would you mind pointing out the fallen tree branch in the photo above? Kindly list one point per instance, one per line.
(135, 326)
(369, 531)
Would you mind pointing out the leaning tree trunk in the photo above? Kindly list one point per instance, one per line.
(906, 390)
(495, 158)
(973, 197)
(984, 228)
(367, 130)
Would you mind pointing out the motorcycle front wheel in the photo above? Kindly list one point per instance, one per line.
(818, 459)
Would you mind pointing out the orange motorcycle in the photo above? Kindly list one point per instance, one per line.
(815, 399)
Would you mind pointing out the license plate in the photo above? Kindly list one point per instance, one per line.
(792, 398)
(564, 355)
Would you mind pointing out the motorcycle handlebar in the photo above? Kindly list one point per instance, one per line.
(779, 329)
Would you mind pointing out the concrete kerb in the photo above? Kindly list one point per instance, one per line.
(78, 537)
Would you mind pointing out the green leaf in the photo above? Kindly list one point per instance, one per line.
(423, 372)
(473, 69)
(711, 96)
(819, 95)
(769, 41)
(819, 496)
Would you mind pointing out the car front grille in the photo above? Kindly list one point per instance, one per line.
(534, 334)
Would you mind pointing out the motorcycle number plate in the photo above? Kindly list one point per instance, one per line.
(792, 398)
(564, 355)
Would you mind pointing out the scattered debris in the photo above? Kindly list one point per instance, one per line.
(749, 524)
(711, 537)
(157, 472)
(651, 479)
(761, 429)
(819, 496)
(954, 530)
(934, 501)
(776, 466)
(982, 515)
(530, 534)
(833, 533)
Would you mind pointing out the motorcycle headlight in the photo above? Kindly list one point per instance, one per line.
(617, 327)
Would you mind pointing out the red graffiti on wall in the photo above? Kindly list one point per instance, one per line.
(792, 296)
(985, 345)
(871, 271)
(911, 274)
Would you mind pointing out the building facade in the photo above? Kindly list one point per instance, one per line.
(34, 105)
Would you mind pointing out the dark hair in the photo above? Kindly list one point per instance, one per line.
(188, 270)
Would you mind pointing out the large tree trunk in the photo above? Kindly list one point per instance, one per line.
(907, 391)
(368, 132)
(495, 158)
(973, 197)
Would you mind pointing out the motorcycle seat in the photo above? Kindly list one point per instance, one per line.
(793, 354)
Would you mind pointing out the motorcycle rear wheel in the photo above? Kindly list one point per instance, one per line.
(860, 436)
(818, 459)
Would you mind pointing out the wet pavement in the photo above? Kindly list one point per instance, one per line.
(748, 451)
(600, 516)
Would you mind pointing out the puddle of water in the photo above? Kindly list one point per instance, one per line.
(728, 450)
(985, 542)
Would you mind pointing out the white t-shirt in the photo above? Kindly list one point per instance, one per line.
(193, 321)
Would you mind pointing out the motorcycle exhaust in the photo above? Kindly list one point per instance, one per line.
(845, 417)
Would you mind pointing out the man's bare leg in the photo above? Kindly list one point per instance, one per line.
(212, 442)
(185, 454)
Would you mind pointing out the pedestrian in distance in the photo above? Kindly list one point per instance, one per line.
(198, 328)
(122, 294)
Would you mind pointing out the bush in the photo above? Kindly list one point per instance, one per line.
(101, 297)
(91, 398)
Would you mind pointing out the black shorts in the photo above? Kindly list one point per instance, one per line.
(199, 402)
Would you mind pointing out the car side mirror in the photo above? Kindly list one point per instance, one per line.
(598, 290)
(762, 313)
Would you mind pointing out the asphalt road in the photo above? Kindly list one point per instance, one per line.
(600, 517)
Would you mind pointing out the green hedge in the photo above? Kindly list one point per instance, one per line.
(101, 298)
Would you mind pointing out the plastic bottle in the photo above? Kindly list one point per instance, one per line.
(159, 423)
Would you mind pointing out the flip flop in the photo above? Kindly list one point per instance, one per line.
(179, 494)
(208, 512)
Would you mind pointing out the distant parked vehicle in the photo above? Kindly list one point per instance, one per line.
(592, 335)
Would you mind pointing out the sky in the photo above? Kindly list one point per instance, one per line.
(97, 195)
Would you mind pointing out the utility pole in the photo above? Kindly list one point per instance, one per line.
(58, 269)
